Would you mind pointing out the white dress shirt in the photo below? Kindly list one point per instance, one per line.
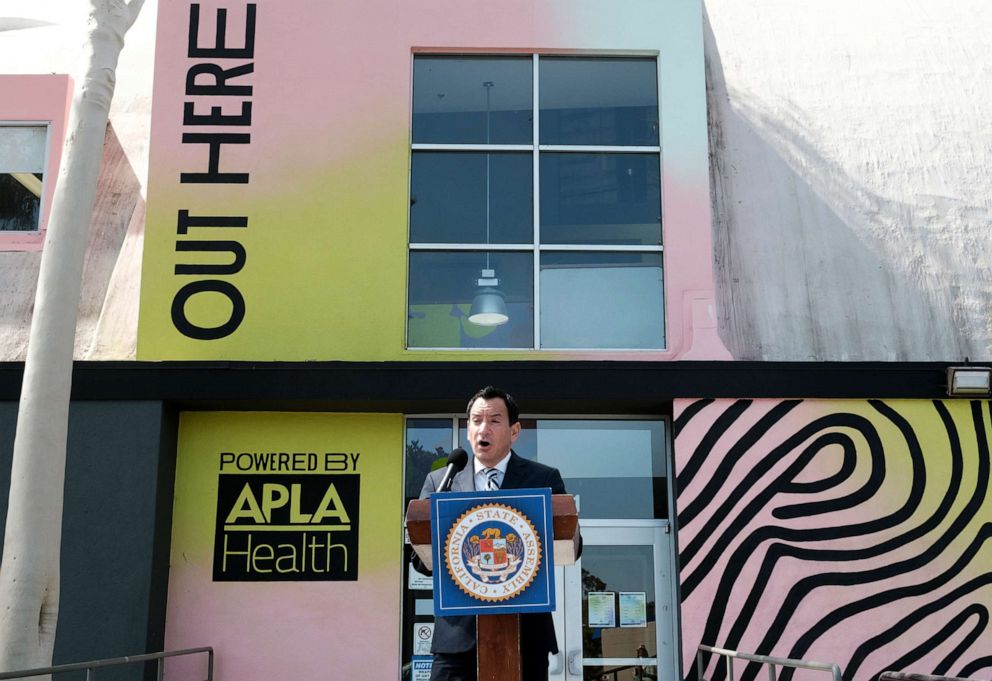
(481, 481)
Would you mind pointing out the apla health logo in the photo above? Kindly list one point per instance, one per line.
(493, 552)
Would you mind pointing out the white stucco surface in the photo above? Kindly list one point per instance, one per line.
(851, 165)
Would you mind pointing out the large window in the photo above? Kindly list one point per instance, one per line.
(617, 466)
(535, 204)
(23, 150)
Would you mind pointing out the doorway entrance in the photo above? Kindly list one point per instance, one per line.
(615, 619)
(617, 616)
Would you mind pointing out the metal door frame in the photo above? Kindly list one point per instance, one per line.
(568, 664)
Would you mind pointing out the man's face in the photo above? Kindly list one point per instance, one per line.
(489, 430)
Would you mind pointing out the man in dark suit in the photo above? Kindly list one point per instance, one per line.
(493, 427)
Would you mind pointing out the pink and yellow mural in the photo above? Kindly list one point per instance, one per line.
(278, 200)
(853, 532)
(286, 545)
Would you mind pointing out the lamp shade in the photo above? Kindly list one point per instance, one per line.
(488, 308)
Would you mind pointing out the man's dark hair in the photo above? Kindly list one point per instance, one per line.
(491, 392)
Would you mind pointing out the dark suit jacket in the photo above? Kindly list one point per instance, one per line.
(537, 630)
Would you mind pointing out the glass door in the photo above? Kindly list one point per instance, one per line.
(615, 620)
(619, 468)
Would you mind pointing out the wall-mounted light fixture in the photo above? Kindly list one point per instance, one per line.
(969, 381)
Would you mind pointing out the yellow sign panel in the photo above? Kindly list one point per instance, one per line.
(286, 540)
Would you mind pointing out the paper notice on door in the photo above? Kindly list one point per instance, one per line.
(415, 580)
(423, 634)
(633, 609)
(421, 669)
(602, 609)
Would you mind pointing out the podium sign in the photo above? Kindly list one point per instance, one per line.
(493, 552)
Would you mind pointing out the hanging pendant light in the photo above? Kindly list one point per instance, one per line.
(488, 306)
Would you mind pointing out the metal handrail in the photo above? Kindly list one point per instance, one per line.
(113, 662)
(772, 662)
(912, 676)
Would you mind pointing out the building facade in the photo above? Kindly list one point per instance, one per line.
(722, 255)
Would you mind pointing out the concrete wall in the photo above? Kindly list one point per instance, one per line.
(851, 157)
(118, 504)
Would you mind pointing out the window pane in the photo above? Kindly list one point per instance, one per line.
(472, 100)
(617, 467)
(428, 444)
(610, 101)
(615, 569)
(454, 196)
(19, 204)
(22, 161)
(22, 148)
(600, 199)
(443, 286)
(602, 300)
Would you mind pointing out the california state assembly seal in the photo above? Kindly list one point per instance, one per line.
(493, 552)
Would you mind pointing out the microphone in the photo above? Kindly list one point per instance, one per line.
(456, 461)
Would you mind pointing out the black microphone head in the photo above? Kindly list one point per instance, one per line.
(458, 458)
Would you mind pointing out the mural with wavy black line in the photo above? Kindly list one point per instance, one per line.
(846, 531)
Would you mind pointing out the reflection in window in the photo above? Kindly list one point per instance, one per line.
(611, 573)
(442, 295)
(615, 466)
(472, 100)
(600, 199)
(581, 308)
(22, 163)
(592, 100)
(454, 196)
(428, 443)
(488, 206)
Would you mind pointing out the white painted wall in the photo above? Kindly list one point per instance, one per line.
(851, 150)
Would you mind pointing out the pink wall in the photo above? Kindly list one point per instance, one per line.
(41, 99)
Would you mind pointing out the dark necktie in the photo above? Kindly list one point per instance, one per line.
(491, 482)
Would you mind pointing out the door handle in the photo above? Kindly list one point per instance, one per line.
(556, 667)
(575, 663)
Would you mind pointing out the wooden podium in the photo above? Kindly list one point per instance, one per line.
(498, 636)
